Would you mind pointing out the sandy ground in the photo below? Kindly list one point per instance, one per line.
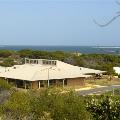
(88, 88)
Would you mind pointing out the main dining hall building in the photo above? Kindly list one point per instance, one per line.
(39, 73)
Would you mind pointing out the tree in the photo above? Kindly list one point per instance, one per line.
(25, 53)
(8, 62)
(5, 53)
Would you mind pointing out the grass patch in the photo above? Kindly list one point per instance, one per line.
(103, 82)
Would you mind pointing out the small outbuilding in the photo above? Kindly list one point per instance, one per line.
(117, 70)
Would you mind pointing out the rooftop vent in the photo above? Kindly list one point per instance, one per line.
(14, 67)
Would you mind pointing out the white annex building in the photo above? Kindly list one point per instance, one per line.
(117, 70)
(37, 73)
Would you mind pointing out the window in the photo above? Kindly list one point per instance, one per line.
(48, 62)
(55, 63)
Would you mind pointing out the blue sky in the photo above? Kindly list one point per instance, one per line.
(58, 22)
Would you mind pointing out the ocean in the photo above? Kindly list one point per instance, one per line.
(80, 49)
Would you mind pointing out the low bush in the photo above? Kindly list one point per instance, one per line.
(4, 85)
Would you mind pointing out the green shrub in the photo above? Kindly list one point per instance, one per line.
(104, 107)
(8, 62)
(45, 105)
(17, 106)
(4, 85)
(59, 106)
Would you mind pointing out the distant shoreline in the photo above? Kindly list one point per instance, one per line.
(116, 47)
(78, 49)
(68, 45)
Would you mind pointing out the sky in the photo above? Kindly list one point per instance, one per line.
(58, 22)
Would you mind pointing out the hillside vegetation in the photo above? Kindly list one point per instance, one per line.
(97, 61)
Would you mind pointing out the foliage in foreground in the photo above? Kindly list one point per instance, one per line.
(44, 105)
(104, 107)
(51, 104)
